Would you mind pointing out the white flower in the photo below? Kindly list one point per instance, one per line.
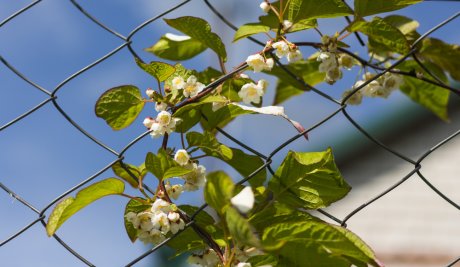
(156, 236)
(328, 61)
(174, 191)
(173, 216)
(150, 92)
(192, 87)
(286, 25)
(262, 84)
(333, 75)
(265, 7)
(345, 61)
(243, 264)
(148, 122)
(132, 218)
(355, 99)
(177, 83)
(160, 106)
(375, 89)
(176, 226)
(392, 81)
(258, 63)
(244, 200)
(251, 92)
(163, 118)
(281, 48)
(156, 130)
(294, 56)
(145, 221)
(161, 205)
(196, 178)
(182, 157)
(210, 258)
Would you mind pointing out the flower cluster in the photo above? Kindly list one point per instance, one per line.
(251, 92)
(194, 179)
(153, 225)
(289, 50)
(383, 86)
(258, 63)
(209, 258)
(163, 123)
(190, 88)
(331, 61)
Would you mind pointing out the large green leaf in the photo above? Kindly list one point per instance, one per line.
(160, 70)
(310, 9)
(163, 166)
(243, 163)
(138, 172)
(303, 240)
(239, 228)
(136, 206)
(433, 97)
(218, 191)
(370, 7)
(447, 56)
(71, 205)
(309, 180)
(384, 34)
(176, 47)
(249, 29)
(198, 29)
(120, 106)
(288, 87)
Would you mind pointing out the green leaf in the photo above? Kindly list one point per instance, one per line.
(432, 97)
(120, 106)
(198, 29)
(303, 240)
(136, 206)
(218, 191)
(160, 70)
(202, 219)
(404, 24)
(263, 260)
(384, 34)
(288, 87)
(163, 166)
(309, 180)
(187, 240)
(69, 206)
(138, 172)
(310, 9)
(239, 228)
(249, 29)
(370, 7)
(243, 163)
(176, 48)
(447, 56)
(208, 75)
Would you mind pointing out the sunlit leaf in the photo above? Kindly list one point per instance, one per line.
(120, 106)
(370, 7)
(176, 48)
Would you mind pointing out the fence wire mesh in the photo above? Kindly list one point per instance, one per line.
(118, 156)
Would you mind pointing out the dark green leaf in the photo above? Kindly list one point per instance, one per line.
(208, 75)
(243, 163)
(370, 7)
(309, 180)
(384, 34)
(176, 48)
(136, 206)
(263, 260)
(163, 166)
(160, 70)
(432, 97)
(249, 29)
(311, 9)
(120, 106)
(239, 228)
(198, 29)
(69, 206)
(218, 191)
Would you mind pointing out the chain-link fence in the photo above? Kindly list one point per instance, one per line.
(119, 155)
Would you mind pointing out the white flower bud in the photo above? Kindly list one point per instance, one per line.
(294, 56)
(265, 7)
(148, 122)
(286, 25)
(150, 92)
(160, 106)
(345, 61)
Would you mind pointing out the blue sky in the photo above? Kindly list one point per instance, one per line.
(43, 155)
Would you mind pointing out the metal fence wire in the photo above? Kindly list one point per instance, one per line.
(126, 43)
